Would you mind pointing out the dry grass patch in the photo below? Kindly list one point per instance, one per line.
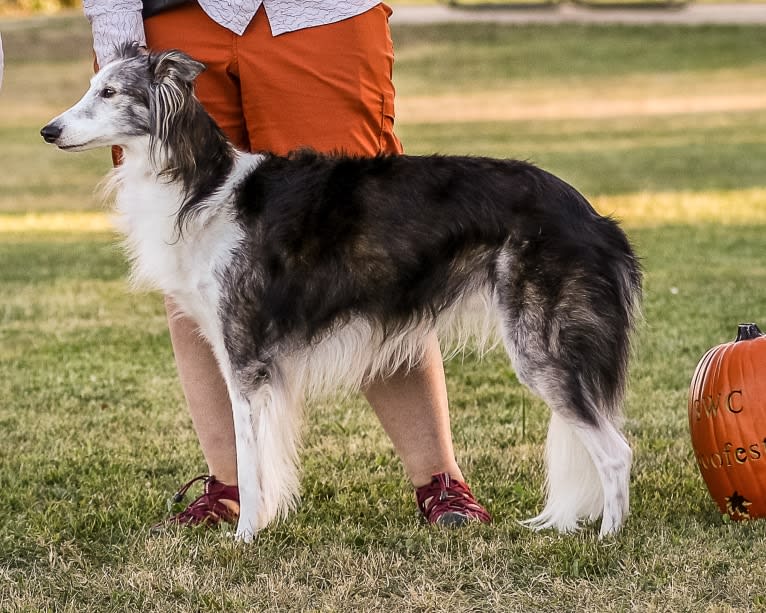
(593, 98)
(36, 90)
(746, 206)
(645, 209)
(57, 222)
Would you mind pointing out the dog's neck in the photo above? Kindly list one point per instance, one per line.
(167, 255)
(187, 152)
(174, 194)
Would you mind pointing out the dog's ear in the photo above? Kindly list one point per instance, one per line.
(172, 107)
(175, 66)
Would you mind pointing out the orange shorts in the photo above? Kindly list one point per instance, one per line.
(327, 87)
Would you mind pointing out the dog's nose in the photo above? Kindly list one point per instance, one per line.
(51, 132)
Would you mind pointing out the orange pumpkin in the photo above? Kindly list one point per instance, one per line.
(727, 421)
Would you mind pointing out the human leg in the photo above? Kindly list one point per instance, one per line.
(412, 408)
(206, 394)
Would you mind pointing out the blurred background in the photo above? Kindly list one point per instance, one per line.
(661, 125)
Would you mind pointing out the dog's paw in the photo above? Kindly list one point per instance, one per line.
(246, 531)
(611, 523)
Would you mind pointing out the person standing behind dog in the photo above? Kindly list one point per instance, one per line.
(281, 75)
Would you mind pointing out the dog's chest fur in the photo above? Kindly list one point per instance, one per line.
(184, 266)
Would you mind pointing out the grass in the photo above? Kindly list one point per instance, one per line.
(95, 436)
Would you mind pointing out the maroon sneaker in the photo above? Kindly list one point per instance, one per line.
(207, 510)
(449, 502)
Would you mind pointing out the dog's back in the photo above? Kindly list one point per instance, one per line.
(399, 237)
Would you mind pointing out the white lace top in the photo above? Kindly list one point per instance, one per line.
(115, 22)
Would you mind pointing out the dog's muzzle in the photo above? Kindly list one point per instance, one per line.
(51, 133)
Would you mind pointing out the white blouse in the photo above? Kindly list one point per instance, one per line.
(115, 22)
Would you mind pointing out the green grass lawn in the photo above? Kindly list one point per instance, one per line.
(663, 127)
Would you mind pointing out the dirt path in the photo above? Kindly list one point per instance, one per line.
(692, 14)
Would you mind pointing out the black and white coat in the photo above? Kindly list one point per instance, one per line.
(312, 273)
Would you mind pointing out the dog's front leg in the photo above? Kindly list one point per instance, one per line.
(250, 497)
(267, 426)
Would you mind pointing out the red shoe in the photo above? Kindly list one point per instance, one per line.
(449, 502)
(207, 510)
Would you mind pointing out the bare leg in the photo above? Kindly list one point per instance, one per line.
(206, 396)
(413, 409)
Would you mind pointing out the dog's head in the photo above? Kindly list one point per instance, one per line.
(129, 99)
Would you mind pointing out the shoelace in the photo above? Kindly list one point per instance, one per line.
(181, 493)
(447, 495)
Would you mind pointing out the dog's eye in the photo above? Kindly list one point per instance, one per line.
(107, 92)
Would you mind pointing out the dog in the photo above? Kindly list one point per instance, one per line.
(312, 273)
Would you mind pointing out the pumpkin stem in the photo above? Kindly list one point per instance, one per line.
(747, 332)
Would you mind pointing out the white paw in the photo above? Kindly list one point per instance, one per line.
(610, 524)
(246, 530)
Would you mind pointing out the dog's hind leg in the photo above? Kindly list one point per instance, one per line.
(574, 357)
(587, 461)
(588, 473)
(611, 456)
